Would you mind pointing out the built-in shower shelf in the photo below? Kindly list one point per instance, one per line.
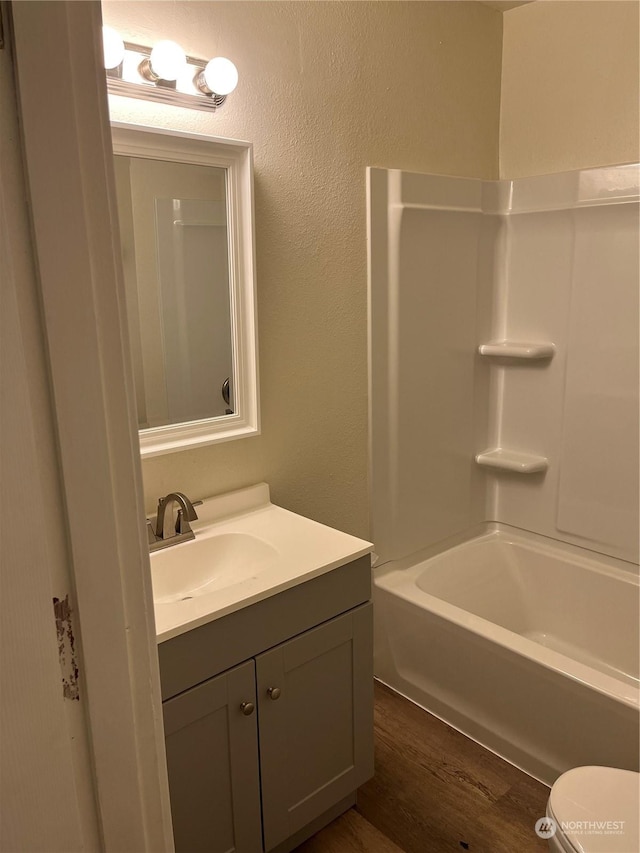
(512, 460)
(518, 349)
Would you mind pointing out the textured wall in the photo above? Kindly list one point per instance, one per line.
(569, 86)
(326, 88)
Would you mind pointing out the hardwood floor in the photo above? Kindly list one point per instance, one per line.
(434, 791)
(350, 833)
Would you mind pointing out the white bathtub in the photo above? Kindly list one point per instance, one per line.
(527, 645)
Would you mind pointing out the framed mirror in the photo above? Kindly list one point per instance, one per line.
(185, 208)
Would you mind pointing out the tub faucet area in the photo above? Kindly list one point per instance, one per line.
(169, 529)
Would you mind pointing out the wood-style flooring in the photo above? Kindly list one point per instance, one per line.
(434, 791)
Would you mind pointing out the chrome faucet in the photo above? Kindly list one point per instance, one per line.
(170, 531)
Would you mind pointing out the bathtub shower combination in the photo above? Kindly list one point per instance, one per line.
(528, 648)
(504, 446)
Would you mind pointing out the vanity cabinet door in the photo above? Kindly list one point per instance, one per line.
(212, 760)
(315, 709)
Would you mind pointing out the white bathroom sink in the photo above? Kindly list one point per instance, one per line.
(207, 564)
(245, 549)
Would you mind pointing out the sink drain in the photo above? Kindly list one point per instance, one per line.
(186, 598)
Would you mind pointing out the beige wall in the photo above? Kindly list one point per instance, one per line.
(325, 90)
(569, 86)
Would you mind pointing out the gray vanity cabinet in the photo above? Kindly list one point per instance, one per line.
(315, 700)
(263, 778)
(212, 761)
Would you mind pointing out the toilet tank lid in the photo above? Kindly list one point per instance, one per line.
(598, 809)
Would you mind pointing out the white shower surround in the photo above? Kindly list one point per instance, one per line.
(456, 263)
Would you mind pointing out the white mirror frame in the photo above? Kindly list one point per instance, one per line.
(237, 159)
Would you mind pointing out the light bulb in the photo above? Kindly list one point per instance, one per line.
(220, 76)
(112, 48)
(167, 60)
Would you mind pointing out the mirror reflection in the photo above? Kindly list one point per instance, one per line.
(175, 247)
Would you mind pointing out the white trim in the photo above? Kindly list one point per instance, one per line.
(236, 158)
(70, 175)
(570, 190)
(561, 191)
(44, 750)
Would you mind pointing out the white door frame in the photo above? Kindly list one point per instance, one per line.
(67, 144)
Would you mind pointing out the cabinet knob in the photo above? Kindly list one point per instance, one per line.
(247, 708)
(274, 693)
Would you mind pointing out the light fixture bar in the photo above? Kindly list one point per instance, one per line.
(128, 81)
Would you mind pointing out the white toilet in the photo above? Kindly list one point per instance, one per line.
(595, 810)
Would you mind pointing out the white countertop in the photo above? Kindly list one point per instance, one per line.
(303, 549)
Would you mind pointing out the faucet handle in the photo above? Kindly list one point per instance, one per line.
(151, 534)
(182, 522)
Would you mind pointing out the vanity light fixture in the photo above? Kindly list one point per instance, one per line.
(167, 61)
(220, 77)
(112, 48)
(165, 73)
